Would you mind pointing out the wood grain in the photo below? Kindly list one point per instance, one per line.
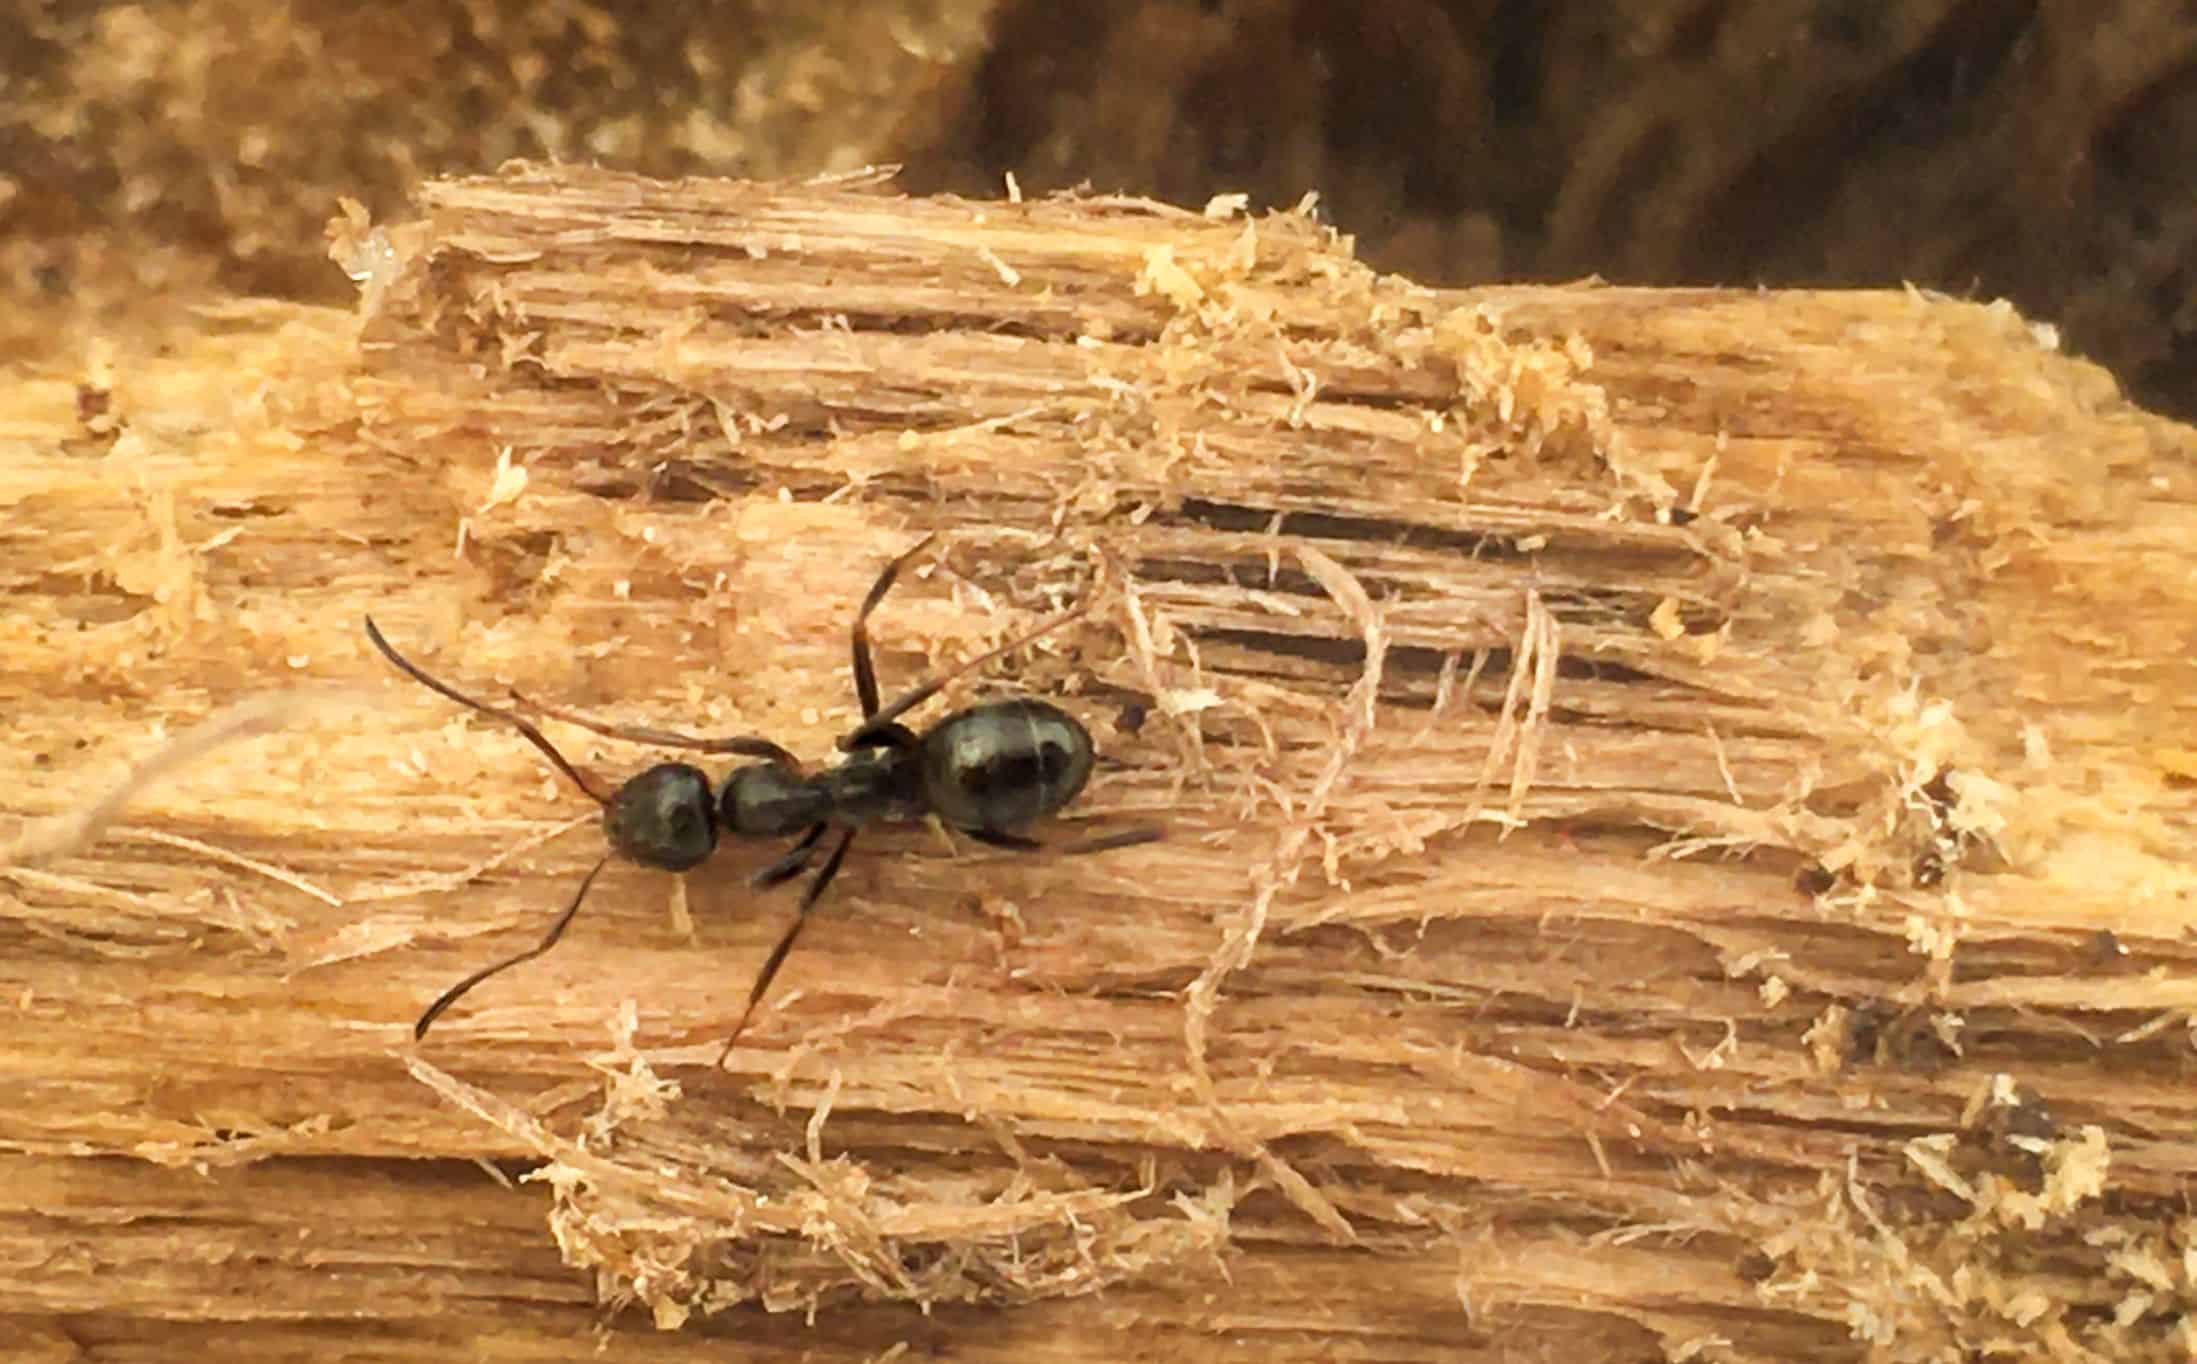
(1678, 808)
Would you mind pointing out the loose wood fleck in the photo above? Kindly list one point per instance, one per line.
(1679, 806)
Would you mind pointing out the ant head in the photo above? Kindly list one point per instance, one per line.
(664, 818)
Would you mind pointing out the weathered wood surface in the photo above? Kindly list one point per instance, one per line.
(1679, 808)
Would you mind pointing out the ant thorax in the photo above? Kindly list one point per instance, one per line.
(990, 771)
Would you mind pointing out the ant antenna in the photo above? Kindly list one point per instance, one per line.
(549, 940)
(549, 750)
(532, 735)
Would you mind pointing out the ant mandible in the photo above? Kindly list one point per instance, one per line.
(989, 770)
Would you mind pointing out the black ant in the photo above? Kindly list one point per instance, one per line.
(988, 770)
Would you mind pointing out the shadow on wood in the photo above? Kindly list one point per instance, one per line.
(1679, 824)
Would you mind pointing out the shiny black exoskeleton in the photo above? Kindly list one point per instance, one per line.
(990, 771)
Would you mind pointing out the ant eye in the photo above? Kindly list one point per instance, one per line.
(988, 770)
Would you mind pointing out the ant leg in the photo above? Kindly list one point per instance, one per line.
(785, 944)
(1012, 842)
(549, 940)
(890, 734)
(792, 864)
(1124, 838)
(745, 745)
(865, 735)
(865, 672)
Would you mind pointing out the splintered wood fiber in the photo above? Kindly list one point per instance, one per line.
(1676, 805)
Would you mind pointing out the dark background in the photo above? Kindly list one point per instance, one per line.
(171, 152)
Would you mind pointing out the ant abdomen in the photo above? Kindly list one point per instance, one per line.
(990, 771)
(1001, 766)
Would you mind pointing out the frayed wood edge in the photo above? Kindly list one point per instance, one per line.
(1279, 871)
